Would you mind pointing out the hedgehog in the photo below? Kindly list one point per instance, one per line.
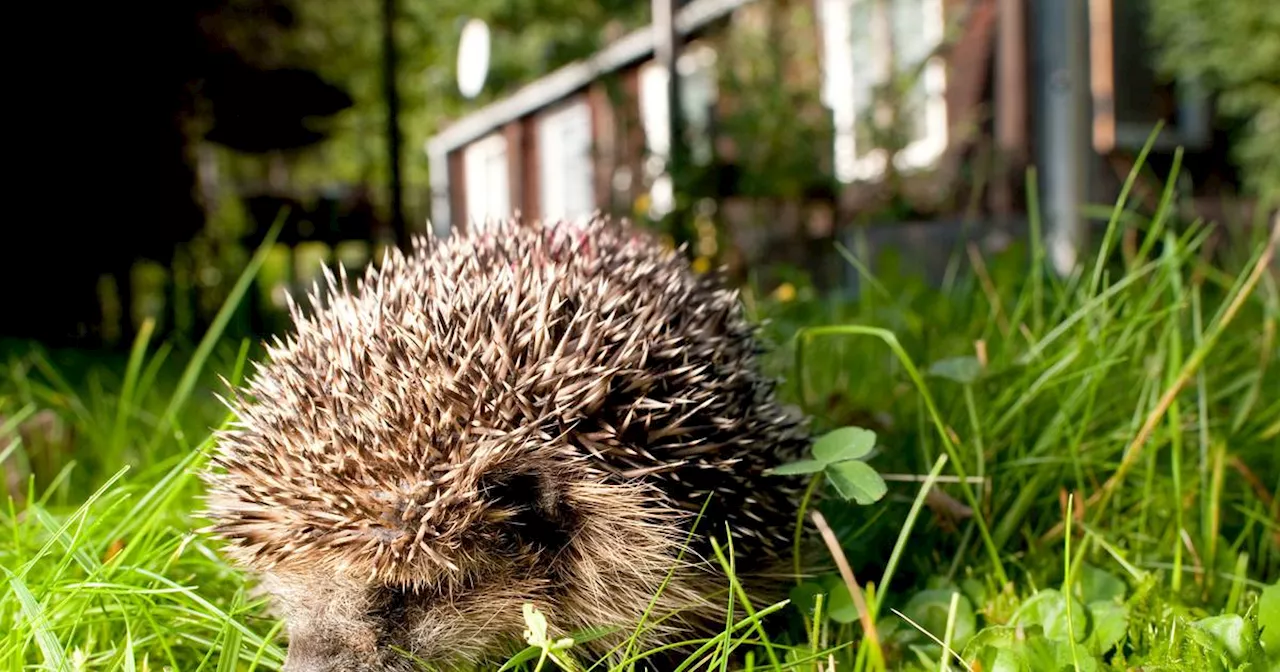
(553, 413)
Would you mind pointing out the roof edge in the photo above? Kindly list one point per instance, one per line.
(573, 77)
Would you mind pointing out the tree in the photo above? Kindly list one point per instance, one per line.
(1233, 48)
(341, 39)
(103, 150)
(107, 148)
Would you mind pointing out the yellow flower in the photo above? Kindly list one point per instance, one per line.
(785, 292)
(701, 265)
(641, 204)
(707, 246)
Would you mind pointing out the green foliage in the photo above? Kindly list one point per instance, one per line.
(837, 455)
(964, 370)
(1176, 569)
(931, 610)
(1055, 613)
(342, 40)
(539, 641)
(1004, 650)
(1110, 633)
(1066, 378)
(782, 132)
(1233, 48)
(1269, 620)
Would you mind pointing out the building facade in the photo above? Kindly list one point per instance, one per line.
(984, 88)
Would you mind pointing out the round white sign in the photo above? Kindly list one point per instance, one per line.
(473, 58)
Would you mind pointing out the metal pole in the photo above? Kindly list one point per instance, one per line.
(1063, 95)
(393, 121)
(666, 51)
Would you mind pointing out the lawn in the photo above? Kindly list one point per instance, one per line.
(1054, 473)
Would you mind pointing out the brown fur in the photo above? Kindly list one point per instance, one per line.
(530, 415)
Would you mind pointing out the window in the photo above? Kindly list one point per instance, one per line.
(1129, 98)
(653, 108)
(566, 173)
(698, 92)
(696, 67)
(488, 194)
(862, 40)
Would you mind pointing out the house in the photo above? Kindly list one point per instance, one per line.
(1002, 84)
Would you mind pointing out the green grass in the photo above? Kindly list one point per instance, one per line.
(1138, 399)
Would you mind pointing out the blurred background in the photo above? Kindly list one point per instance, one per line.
(158, 142)
(912, 172)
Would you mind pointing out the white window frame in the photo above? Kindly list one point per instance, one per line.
(653, 108)
(566, 162)
(487, 179)
(699, 89)
(839, 93)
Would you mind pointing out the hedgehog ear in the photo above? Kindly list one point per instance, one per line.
(541, 517)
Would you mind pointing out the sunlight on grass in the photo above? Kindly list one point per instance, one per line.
(1086, 479)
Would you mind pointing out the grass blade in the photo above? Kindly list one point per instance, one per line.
(50, 647)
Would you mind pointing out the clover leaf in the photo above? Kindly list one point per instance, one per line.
(857, 481)
(846, 443)
(837, 454)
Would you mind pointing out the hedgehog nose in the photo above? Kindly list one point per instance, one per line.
(304, 658)
(298, 663)
(294, 663)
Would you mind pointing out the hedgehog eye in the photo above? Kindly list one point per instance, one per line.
(391, 606)
(537, 516)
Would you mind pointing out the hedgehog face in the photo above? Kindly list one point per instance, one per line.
(527, 415)
(540, 539)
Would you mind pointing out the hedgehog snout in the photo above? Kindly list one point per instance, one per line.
(535, 415)
(317, 652)
(337, 646)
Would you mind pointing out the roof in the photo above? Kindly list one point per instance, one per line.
(573, 77)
